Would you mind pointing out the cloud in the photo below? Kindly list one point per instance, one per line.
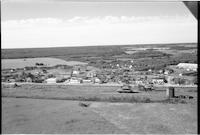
(78, 20)
(131, 19)
(31, 22)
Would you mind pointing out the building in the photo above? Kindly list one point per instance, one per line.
(158, 81)
(86, 81)
(75, 72)
(74, 81)
(188, 66)
(91, 74)
(50, 80)
(137, 82)
(97, 80)
(29, 68)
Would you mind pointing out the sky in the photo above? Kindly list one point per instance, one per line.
(59, 23)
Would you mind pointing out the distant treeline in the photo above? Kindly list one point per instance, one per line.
(81, 51)
(60, 51)
(98, 55)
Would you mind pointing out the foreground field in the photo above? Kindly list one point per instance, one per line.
(59, 116)
(25, 109)
(24, 116)
(150, 118)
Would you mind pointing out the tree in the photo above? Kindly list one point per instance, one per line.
(30, 75)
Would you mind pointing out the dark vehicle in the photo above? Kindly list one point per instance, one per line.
(125, 89)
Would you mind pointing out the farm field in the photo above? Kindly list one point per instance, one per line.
(26, 116)
(28, 62)
(91, 93)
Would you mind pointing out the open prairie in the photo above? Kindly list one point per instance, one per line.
(92, 93)
(30, 62)
(56, 109)
(26, 116)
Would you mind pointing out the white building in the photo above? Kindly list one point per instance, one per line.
(91, 73)
(50, 80)
(158, 81)
(97, 80)
(75, 72)
(87, 81)
(138, 82)
(74, 81)
(188, 66)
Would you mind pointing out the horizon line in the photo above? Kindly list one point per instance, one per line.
(100, 45)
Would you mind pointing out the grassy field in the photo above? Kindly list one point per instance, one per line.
(34, 116)
(24, 116)
(151, 118)
(30, 62)
(91, 93)
(25, 110)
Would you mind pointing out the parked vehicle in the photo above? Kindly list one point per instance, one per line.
(125, 89)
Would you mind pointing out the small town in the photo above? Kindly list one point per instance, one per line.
(99, 67)
(112, 73)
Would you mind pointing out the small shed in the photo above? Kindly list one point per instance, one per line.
(74, 81)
